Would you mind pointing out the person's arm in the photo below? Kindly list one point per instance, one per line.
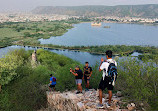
(90, 73)
(83, 73)
(51, 80)
(102, 60)
(73, 72)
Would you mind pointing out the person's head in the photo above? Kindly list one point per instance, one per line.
(51, 75)
(108, 54)
(77, 67)
(86, 64)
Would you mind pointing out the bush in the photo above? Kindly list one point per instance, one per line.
(138, 80)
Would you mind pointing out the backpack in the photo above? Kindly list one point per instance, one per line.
(54, 79)
(112, 71)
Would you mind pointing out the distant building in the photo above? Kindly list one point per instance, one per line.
(96, 24)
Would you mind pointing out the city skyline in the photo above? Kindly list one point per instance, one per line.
(28, 5)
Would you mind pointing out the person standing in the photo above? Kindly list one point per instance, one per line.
(107, 81)
(78, 78)
(87, 74)
(52, 83)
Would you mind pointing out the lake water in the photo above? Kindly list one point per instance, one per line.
(85, 34)
(78, 56)
(117, 34)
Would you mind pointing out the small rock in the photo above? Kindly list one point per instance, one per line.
(133, 104)
(88, 94)
(112, 107)
(130, 107)
(141, 104)
(119, 94)
(97, 101)
(116, 100)
(81, 106)
(72, 96)
(124, 109)
(103, 100)
(91, 109)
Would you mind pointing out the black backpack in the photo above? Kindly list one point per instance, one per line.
(112, 71)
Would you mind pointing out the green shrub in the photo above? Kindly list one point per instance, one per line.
(138, 80)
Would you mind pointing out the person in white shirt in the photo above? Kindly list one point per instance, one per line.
(106, 81)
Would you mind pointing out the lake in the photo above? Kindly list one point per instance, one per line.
(84, 34)
(79, 56)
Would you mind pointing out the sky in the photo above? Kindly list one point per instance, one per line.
(28, 5)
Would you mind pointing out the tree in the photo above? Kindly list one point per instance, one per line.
(8, 67)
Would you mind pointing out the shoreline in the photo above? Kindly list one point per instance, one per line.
(139, 23)
(127, 53)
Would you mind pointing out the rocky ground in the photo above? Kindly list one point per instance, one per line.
(69, 101)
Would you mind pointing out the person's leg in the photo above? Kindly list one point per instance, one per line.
(79, 87)
(101, 88)
(85, 78)
(110, 96)
(54, 88)
(50, 88)
(88, 79)
(80, 84)
(100, 95)
(110, 88)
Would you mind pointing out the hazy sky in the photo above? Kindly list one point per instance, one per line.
(26, 5)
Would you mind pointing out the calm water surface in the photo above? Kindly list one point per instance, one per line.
(78, 56)
(117, 34)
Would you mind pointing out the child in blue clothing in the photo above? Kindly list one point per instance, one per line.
(52, 83)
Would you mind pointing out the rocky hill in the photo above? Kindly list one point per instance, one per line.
(147, 11)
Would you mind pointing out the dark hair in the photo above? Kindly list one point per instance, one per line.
(109, 53)
(51, 75)
(86, 63)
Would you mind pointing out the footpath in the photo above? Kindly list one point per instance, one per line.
(69, 101)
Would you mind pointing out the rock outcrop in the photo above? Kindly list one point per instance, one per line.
(69, 101)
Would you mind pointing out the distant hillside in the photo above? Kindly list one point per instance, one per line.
(149, 11)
